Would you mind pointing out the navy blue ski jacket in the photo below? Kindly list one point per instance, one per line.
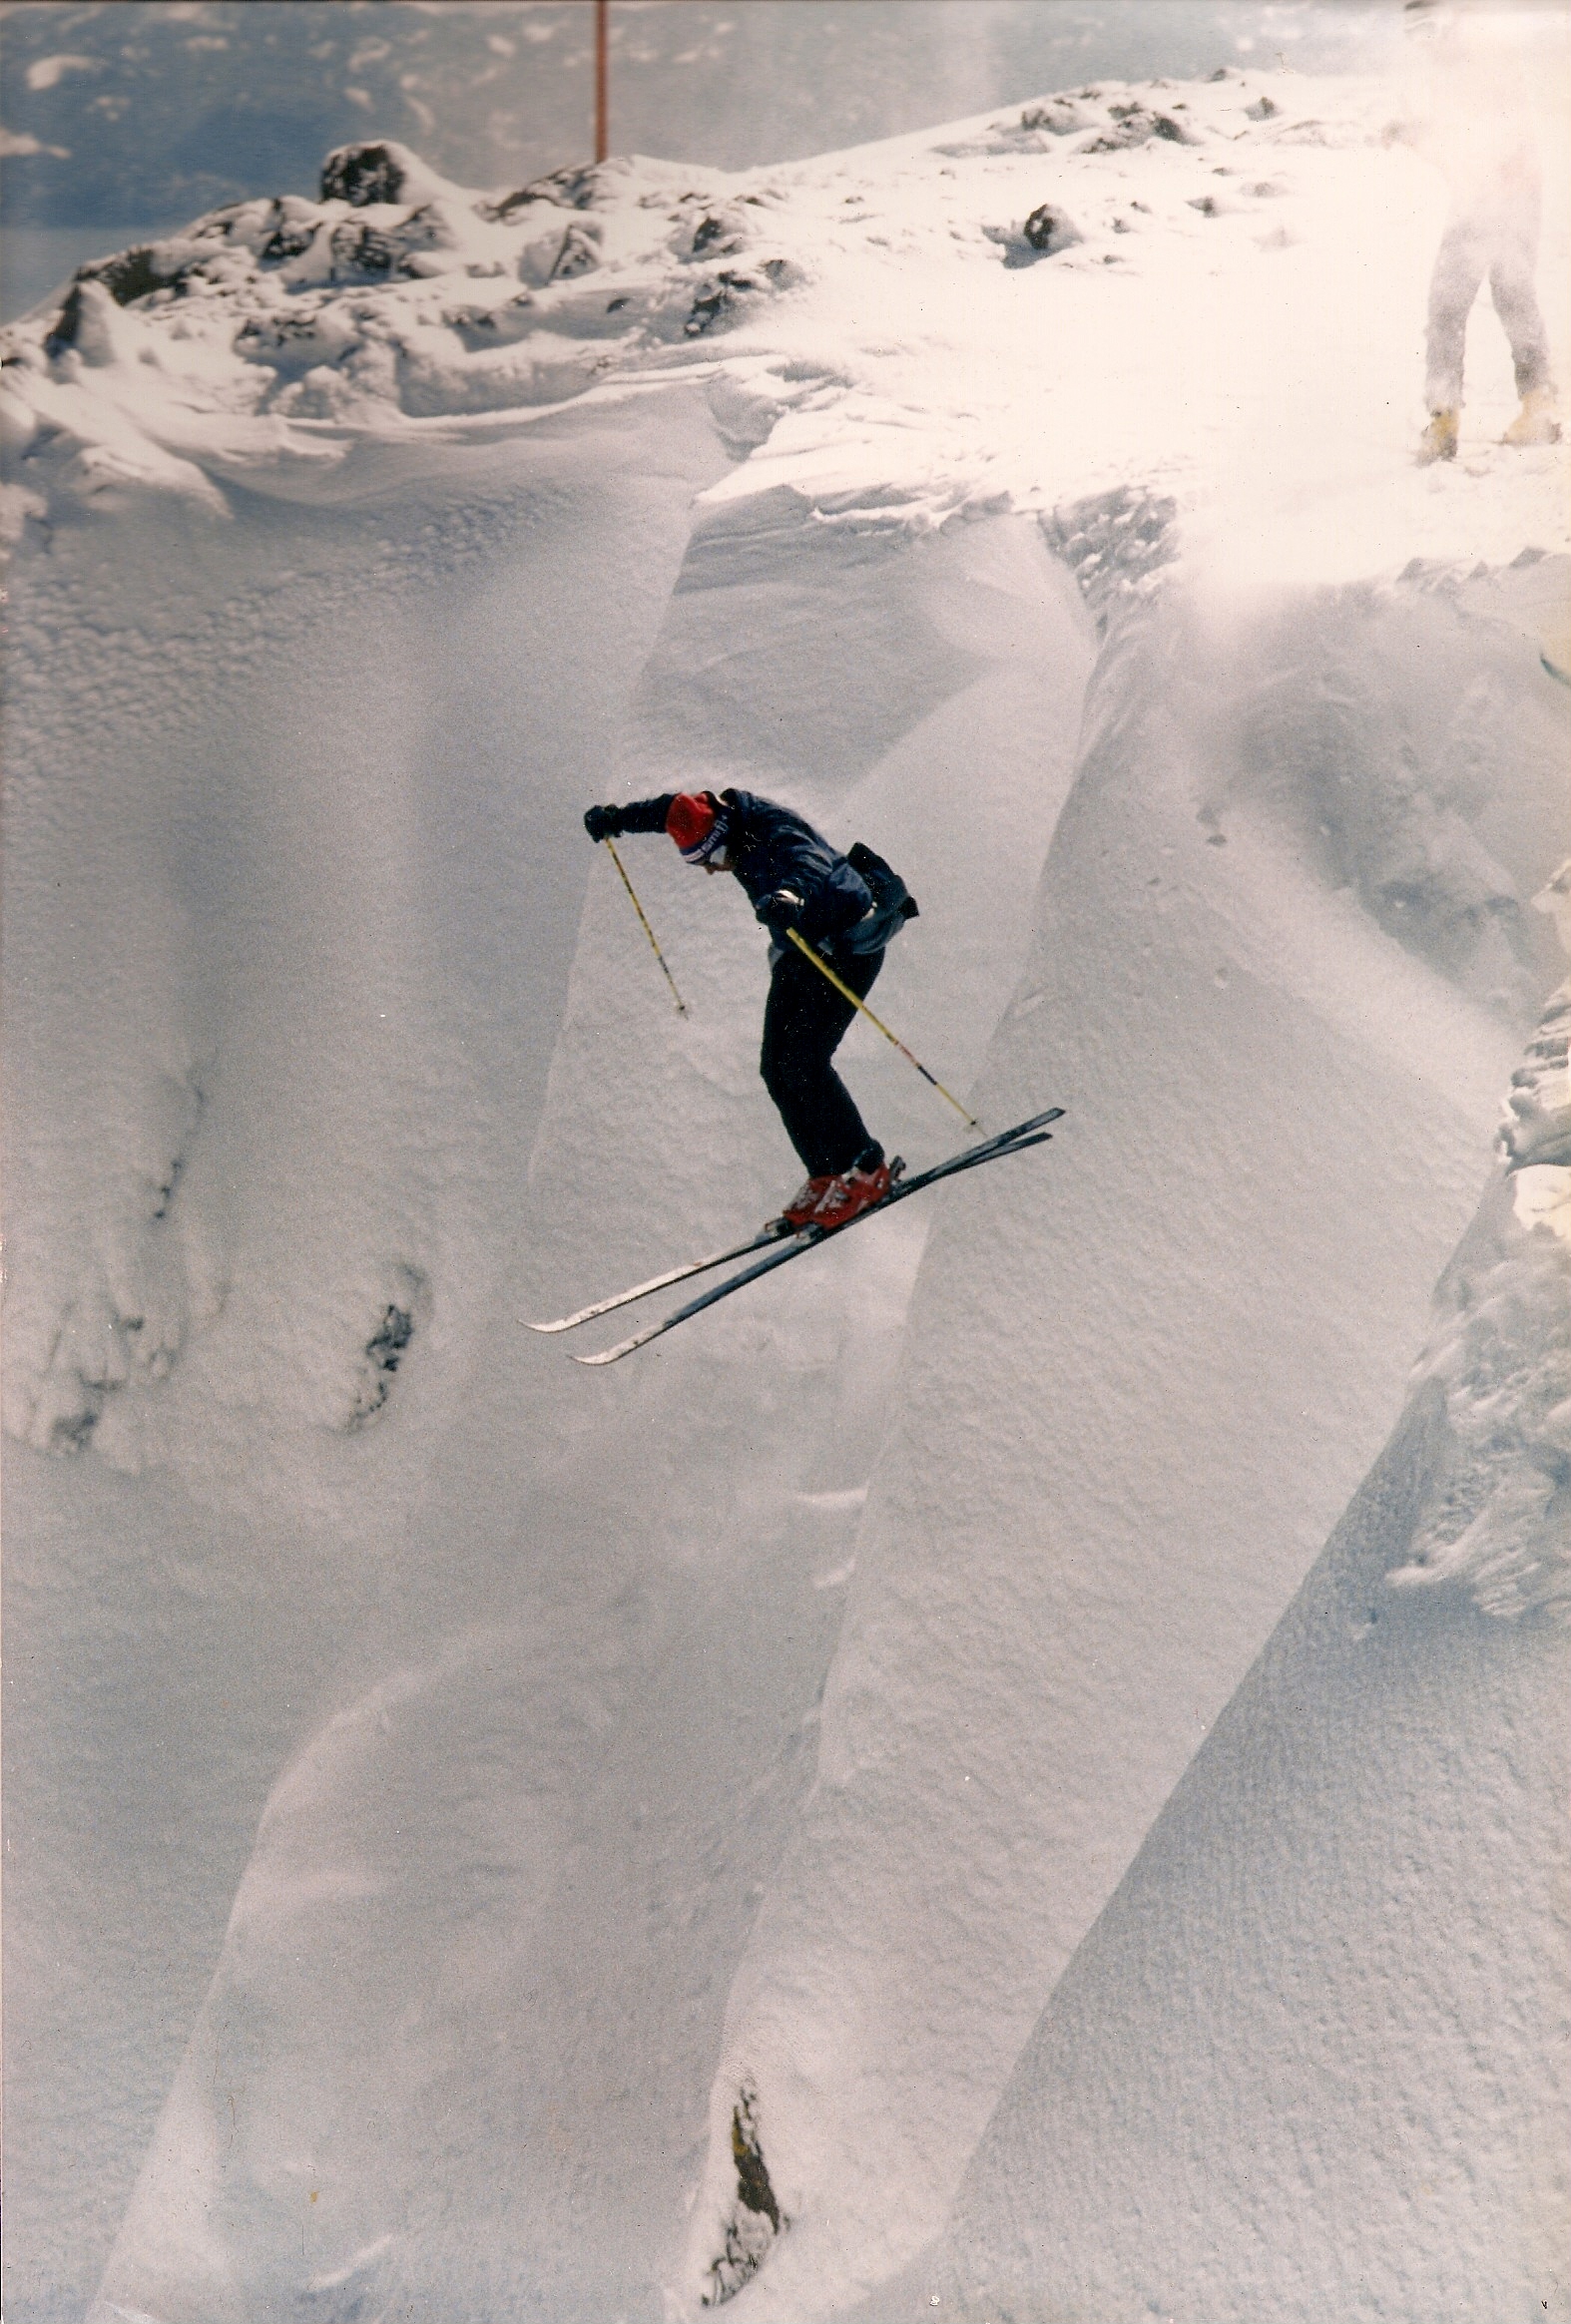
(772, 848)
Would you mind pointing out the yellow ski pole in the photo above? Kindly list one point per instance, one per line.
(841, 986)
(682, 1006)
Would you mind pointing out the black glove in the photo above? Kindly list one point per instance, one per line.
(781, 911)
(602, 823)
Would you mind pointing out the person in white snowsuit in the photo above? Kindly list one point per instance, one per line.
(1471, 113)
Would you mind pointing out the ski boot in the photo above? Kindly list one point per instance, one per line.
(860, 1188)
(804, 1202)
(1438, 441)
(1536, 422)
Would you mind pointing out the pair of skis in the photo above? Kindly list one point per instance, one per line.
(784, 1244)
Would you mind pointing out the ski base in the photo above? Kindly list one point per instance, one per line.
(1034, 1132)
(774, 1231)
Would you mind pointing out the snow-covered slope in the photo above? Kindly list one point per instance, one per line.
(1344, 1936)
(688, 1781)
(1137, 1385)
(622, 1615)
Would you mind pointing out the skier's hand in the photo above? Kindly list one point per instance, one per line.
(781, 911)
(602, 823)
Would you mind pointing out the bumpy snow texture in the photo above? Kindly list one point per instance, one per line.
(489, 1839)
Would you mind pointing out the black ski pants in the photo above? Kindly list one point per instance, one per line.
(802, 1026)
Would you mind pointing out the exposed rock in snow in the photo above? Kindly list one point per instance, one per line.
(1043, 235)
(397, 292)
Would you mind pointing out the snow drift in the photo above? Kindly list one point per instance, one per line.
(1347, 1926)
(598, 1846)
(1125, 1413)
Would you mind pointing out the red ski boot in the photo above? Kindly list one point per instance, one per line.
(804, 1202)
(855, 1191)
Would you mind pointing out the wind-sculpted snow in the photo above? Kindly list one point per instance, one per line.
(1282, 959)
(676, 1790)
(303, 732)
(1498, 1514)
(296, 866)
(1345, 1929)
(396, 293)
(612, 1753)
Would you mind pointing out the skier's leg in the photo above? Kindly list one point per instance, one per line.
(1513, 263)
(796, 1050)
(1459, 268)
(843, 1137)
(1516, 298)
(804, 1023)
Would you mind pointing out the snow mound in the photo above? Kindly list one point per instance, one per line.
(1345, 1930)
(1498, 1517)
(1282, 959)
(396, 295)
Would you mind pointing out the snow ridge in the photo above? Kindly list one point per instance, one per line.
(396, 296)
(1498, 1518)
(1277, 1955)
(272, 331)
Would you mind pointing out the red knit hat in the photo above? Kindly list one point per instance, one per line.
(696, 825)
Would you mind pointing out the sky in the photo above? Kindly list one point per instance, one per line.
(153, 111)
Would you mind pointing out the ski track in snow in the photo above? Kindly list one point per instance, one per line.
(583, 1849)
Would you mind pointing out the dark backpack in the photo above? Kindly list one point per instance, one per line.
(892, 902)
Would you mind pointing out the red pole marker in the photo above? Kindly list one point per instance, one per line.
(602, 79)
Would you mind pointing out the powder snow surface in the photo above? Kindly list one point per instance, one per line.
(1344, 1934)
(493, 1839)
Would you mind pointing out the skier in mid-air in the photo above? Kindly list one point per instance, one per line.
(846, 908)
(829, 917)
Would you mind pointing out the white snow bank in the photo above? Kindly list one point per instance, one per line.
(1499, 1353)
(1313, 2059)
(294, 807)
(284, 799)
(1282, 960)
(557, 1810)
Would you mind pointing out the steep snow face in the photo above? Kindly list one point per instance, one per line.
(1499, 1357)
(626, 1626)
(1283, 957)
(294, 875)
(334, 1052)
(1345, 1930)
(287, 795)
